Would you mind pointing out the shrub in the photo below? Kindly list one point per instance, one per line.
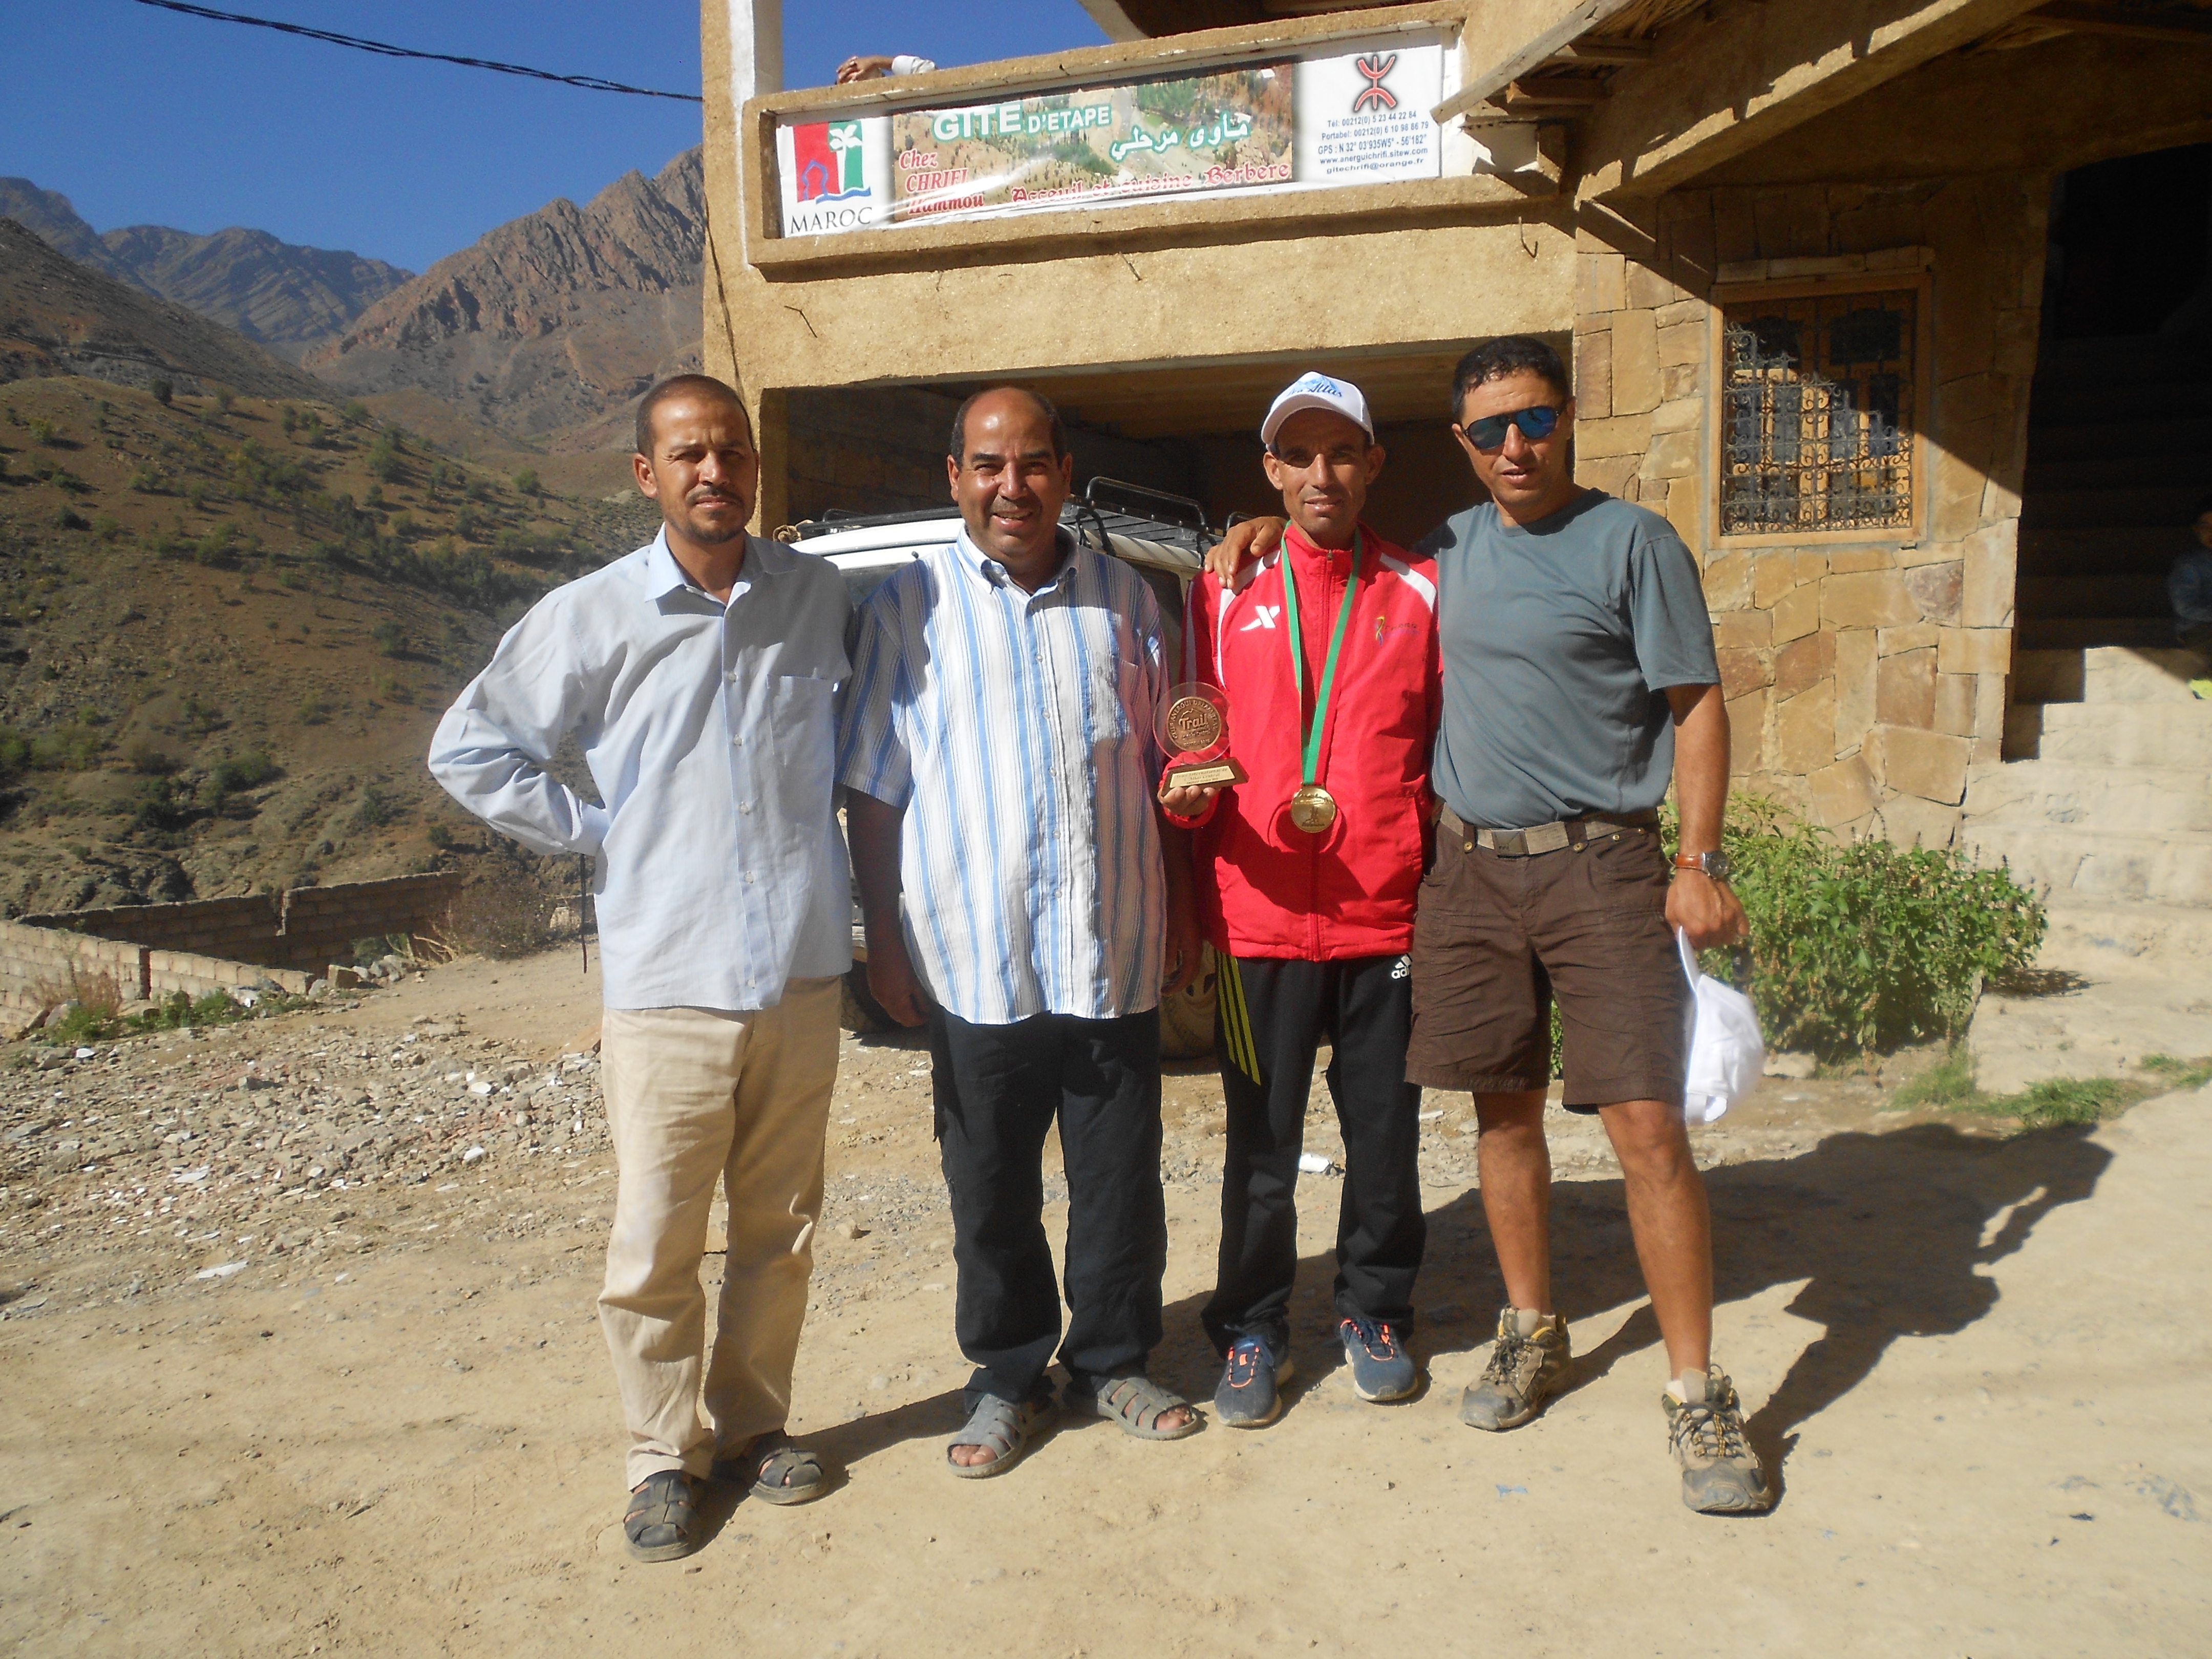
(356, 412)
(42, 432)
(525, 482)
(377, 807)
(289, 418)
(499, 915)
(389, 637)
(224, 397)
(162, 392)
(1867, 946)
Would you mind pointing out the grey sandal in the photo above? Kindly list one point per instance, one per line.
(662, 1522)
(777, 1471)
(1136, 1403)
(1001, 1428)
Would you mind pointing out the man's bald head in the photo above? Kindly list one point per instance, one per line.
(957, 446)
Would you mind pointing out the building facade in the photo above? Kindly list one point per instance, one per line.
(1895, 309)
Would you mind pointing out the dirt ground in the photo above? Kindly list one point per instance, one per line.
(1977, 1362)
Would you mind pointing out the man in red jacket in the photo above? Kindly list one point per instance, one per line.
(1307, 872)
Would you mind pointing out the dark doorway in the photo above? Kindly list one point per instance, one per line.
(2119, 447)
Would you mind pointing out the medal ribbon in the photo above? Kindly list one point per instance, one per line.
(1315, 732)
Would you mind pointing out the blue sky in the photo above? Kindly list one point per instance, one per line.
(145, 116)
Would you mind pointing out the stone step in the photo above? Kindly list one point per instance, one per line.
(2050, 469)
(2174, 868)
(2068, 404)
(2082, 440)
(2068, 549)
(2070, 794)
(2111, 734)
(2065, 633)
(2121, 936)
(2108, 675)
(2162, 502)
(2106, 593)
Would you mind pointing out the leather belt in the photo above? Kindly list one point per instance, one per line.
(1543, 837)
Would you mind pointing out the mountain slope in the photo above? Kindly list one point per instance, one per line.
(282, 295)
(549, 326)
(226, 634)
(58, 317)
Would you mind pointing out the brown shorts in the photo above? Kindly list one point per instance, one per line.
(1496, 939)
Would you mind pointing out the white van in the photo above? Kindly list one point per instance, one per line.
(1163, 537)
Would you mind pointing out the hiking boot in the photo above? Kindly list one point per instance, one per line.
(1246, 1398)
(1382, 1369)
(1521, 1373)
(1720, 1471)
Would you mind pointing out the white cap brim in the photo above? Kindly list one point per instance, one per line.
(1295, 403)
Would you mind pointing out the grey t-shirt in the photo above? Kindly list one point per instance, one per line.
(1559, 639)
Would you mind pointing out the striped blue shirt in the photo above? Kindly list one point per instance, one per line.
(1015, 731)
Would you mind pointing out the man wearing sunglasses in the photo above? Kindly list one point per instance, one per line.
(1578, 677)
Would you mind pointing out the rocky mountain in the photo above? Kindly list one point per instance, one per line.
(550, 326)
(60, 316)
(282, 295)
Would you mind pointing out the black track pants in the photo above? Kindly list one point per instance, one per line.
(1273, 1014)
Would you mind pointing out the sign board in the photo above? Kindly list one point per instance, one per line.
(1360, 117)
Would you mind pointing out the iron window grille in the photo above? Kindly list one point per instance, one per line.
(1817, 413)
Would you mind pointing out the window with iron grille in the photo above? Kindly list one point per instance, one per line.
(1817, 415)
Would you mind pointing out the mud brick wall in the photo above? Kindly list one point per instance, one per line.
(321, 923)
(306, 929)
(1863, 676)
(36, 964)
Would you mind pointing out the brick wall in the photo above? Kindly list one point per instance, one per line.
(39, 967)
(1863, 674)
(306, 929)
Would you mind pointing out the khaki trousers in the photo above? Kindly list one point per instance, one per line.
(695, 1094)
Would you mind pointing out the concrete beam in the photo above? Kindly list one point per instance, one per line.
(1721, 88)
(1505, 42)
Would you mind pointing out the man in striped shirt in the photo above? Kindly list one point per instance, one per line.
(996, 747)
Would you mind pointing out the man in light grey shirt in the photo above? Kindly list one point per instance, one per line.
(700, 675)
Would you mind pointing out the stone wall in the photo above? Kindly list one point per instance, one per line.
(304, 930)
(1863, 674)
(41, 966)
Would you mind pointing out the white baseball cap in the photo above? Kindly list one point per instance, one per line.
(1314, 389)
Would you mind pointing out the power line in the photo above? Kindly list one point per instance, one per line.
(382, 49)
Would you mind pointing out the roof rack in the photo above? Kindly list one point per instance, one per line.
(1109, 505)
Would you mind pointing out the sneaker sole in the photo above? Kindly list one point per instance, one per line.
(1405, 1393)
(1284, 1373)
(1527, 1413)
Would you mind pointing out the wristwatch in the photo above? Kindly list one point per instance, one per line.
(1715, 864)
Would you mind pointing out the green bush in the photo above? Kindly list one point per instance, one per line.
(1868, 945)
(162, 392)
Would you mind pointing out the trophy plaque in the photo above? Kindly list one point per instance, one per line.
(1193, 734)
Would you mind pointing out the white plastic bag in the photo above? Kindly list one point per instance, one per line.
(1727, 1053)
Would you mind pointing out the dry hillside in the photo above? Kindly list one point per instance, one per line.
(58, 317)
(227, 631)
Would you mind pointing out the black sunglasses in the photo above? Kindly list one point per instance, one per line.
(1536, 423)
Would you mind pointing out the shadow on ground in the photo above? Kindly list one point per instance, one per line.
(1886, 1235)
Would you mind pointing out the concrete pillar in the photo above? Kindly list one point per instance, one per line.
(755, 49)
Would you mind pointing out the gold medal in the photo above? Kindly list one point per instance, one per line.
(1313, 809)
